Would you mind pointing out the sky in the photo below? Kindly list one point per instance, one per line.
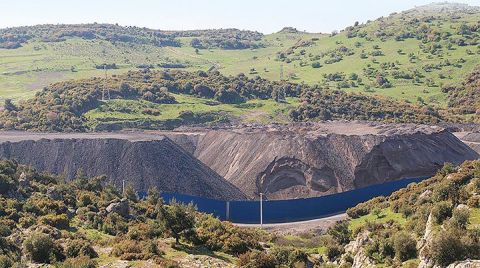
(265, 16)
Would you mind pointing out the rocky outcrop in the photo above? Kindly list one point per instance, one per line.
(465, 264)
(294, 162)
(141, 162)
(121, 208)
(423, 244)
(356, 248)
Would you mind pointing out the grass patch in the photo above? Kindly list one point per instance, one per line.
(385, 216)
(474, 218)
(251, 111)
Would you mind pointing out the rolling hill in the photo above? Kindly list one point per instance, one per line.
(425, 57)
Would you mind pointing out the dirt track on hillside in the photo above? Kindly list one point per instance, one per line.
(310, 226)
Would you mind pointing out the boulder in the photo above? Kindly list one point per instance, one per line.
(122, 208)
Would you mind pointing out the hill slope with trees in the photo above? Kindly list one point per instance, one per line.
(415, 55)
(149, 95)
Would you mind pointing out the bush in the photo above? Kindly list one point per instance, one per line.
(79, 247)
(446, 248)
(58, 221)
(41, 248)
(5, 262)
(224, 236)
(135, 250)
(178, 218)
(405, 246)
(316, 64)
(289, 256)
(334, 251)
(459, 218)
(257, 259)
(78, 262)
(441, 211)
(340, 232)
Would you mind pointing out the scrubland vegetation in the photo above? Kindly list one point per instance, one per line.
(87, 221)
(77, 105)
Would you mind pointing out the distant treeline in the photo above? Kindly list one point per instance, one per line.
(12, 38)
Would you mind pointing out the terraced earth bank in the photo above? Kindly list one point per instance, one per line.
(296, 161)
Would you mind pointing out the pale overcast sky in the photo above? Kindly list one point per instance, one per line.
(266, 16)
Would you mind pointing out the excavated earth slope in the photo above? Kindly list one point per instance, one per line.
(319, 159)
(297, 161)
(141, 160)
(472, 139)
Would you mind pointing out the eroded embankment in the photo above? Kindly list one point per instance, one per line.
(294, 163)
(155, 161)
(235, 163)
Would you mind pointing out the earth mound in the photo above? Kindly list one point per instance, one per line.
(307, 160)
(142, 161)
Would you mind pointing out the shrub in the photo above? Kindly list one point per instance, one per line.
(41, 248)
(135, 250)
(58, 221)
(5, 262)
(177, 218)
(334, 251)
(79, 247)
(459, 218)
(224, 236)
(78, 262)
(257, 259)
(340, 232)
(316, 64)
(441, 211)
(405, 246)
(446, 248)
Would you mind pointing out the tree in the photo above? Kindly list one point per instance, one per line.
(377, 212)
(130, 193)
(340, 232)
(405, 246)
(178, 218)
(41, 248)
(228, 96)
(153, 195)
(278, 94)
(9, 106)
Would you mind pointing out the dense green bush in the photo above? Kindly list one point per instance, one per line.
(442, 211)
(42, 249)
(257, 259)
(224, 236)
(135, 250)
(60, 221)
(340, 232)
(79, 247)
(78, 262)
(405, 246)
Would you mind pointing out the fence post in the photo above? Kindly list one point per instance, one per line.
(227, 216)
(261, 210)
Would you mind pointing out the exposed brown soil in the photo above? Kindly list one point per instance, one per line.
(282, 161)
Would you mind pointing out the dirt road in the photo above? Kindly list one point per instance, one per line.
(301, 226)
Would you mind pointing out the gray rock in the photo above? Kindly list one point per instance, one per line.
(122, 208)
(53, 193)
(465, 264)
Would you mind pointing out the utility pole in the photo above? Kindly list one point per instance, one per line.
(261, 210)
(281, 72)
(123, 187)
(105, 85)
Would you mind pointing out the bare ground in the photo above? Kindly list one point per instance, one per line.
(315, 225)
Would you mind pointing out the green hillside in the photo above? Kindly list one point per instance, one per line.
(409, 55)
